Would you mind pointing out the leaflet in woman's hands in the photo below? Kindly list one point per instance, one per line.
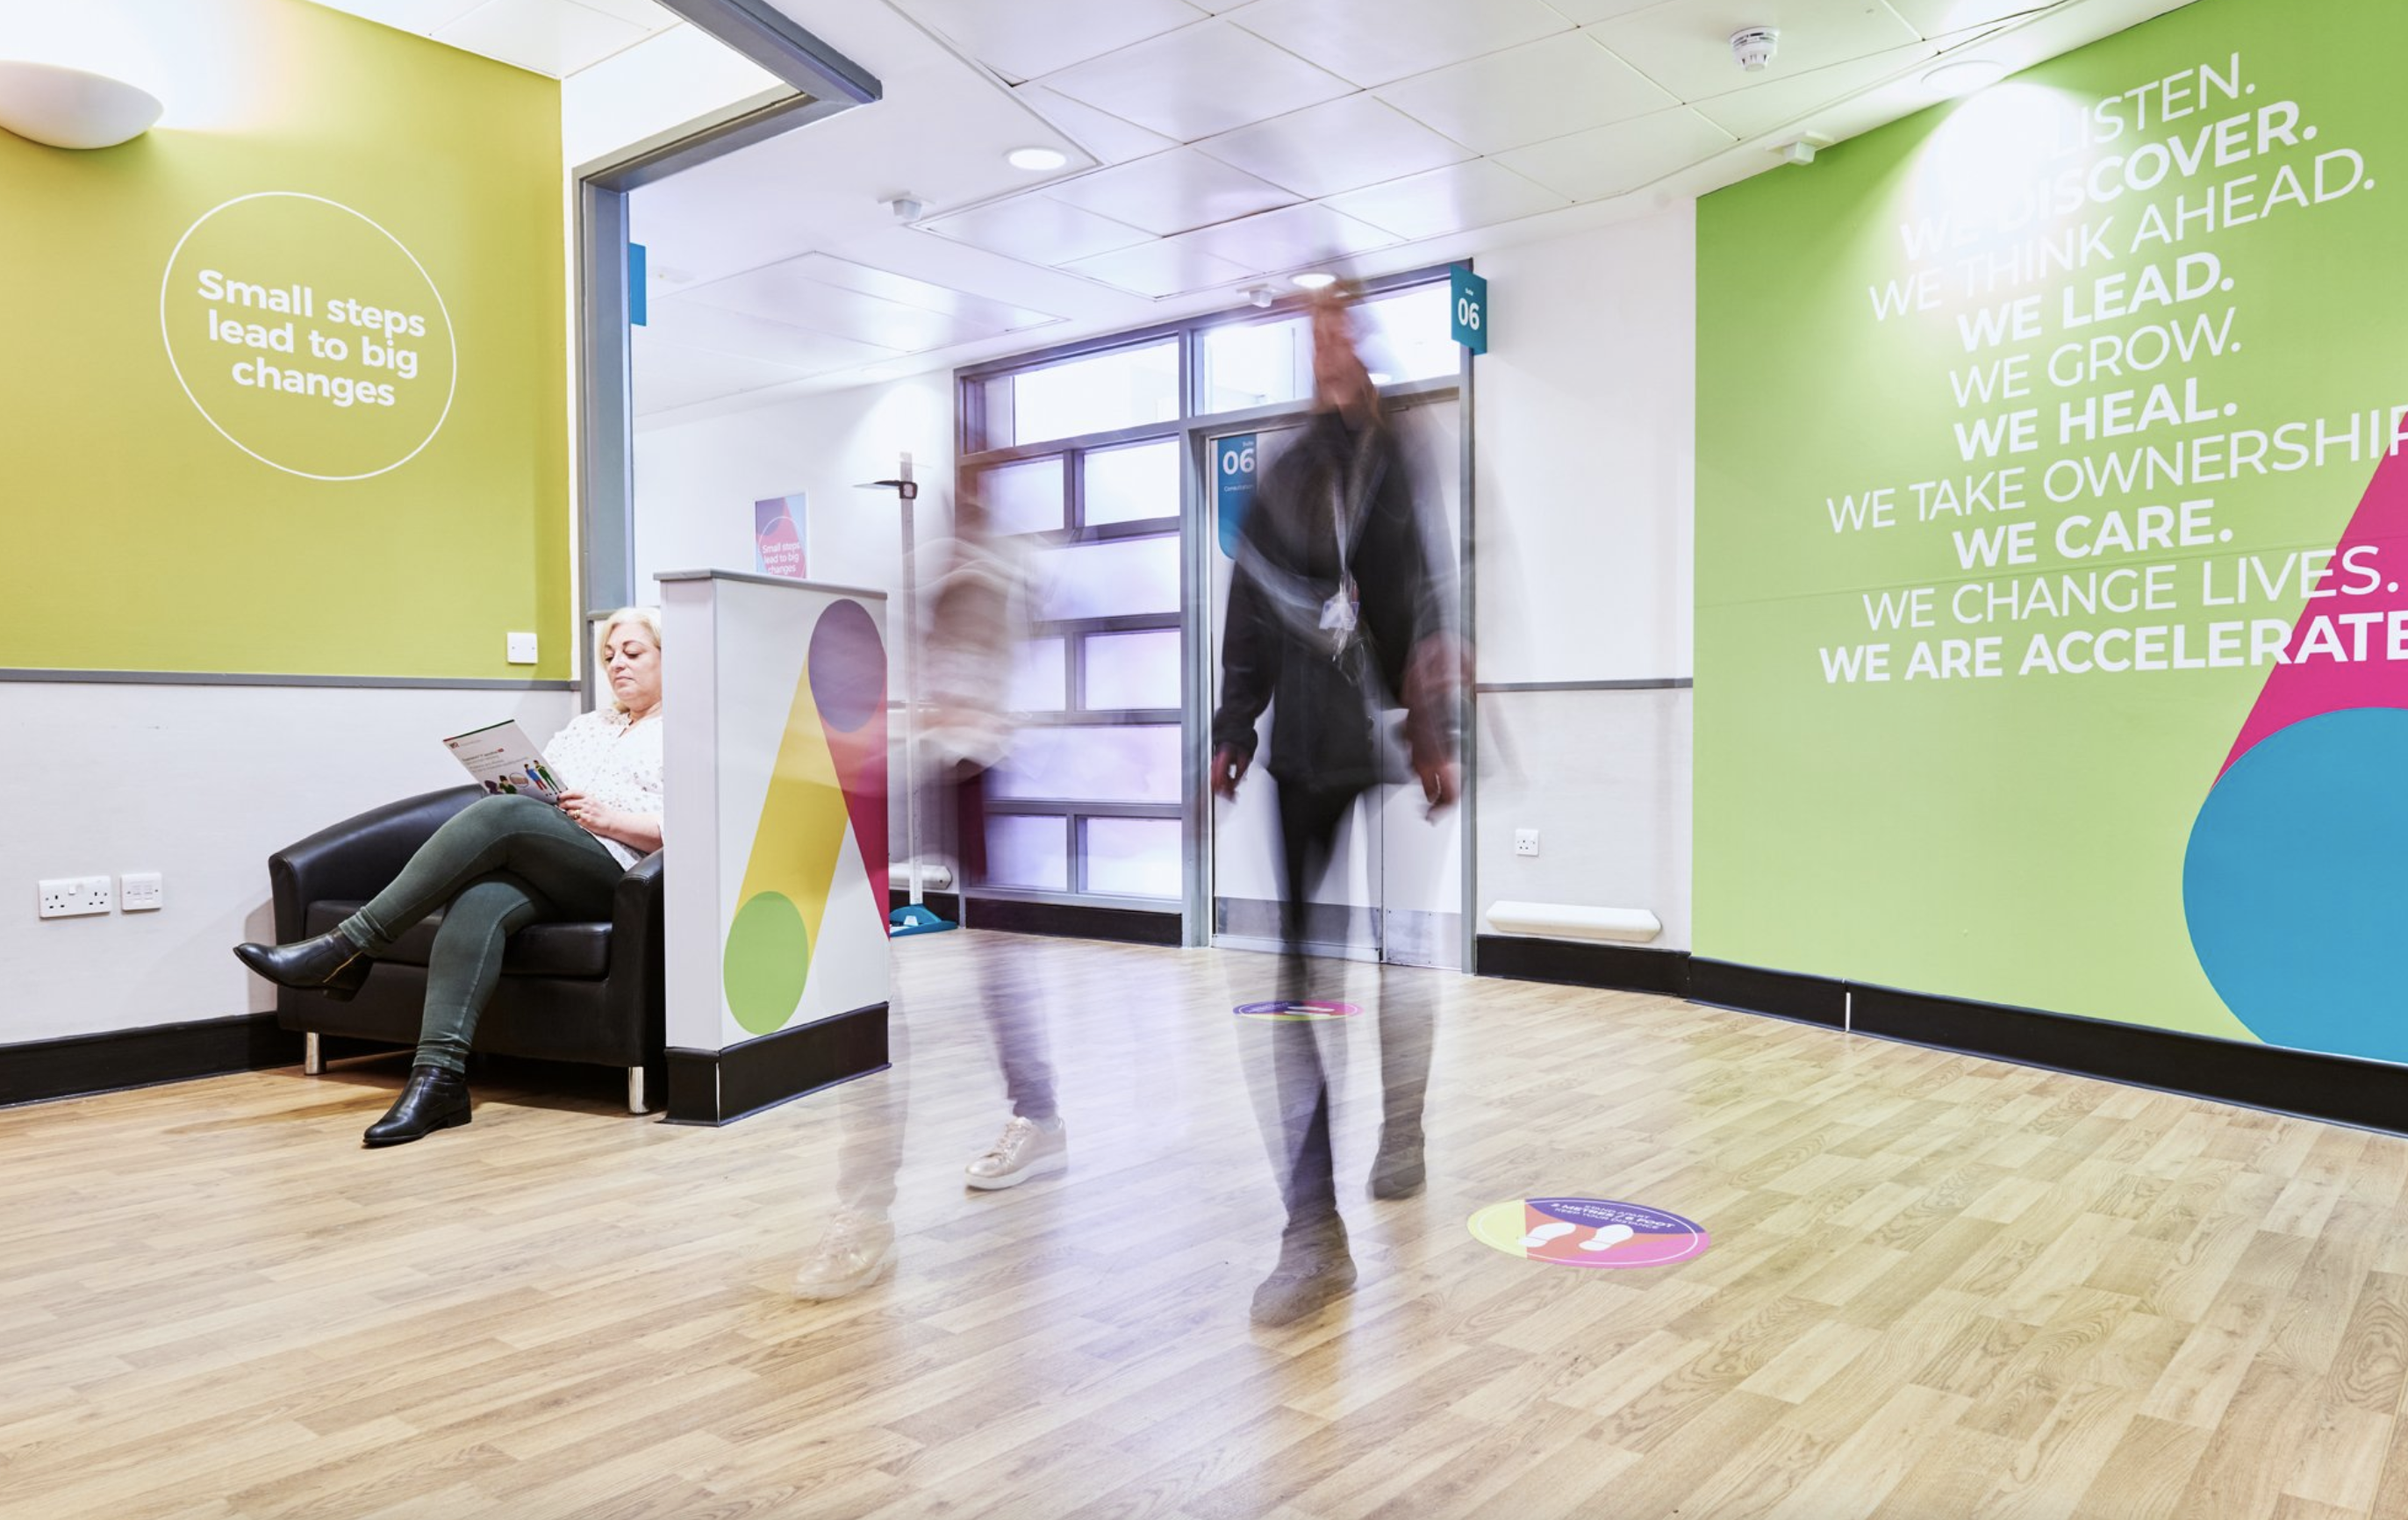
(502, 760)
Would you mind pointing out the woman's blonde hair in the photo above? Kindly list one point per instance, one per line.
(649, 618)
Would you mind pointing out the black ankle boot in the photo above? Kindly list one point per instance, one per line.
(328, 963)
(1397, 1169)
(433, 1099)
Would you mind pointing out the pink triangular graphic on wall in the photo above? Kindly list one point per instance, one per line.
(2292, 888)
(2317, 683)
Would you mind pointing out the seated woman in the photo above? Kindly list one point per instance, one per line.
(498, 864)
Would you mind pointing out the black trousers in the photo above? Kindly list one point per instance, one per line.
(1404, 1014)
(497, 865)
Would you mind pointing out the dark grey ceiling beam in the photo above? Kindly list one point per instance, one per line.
(768, 36)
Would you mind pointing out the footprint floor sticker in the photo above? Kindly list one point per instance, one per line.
(1588, 1232)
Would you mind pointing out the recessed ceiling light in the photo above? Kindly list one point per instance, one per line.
(1313, 279)
(1966, 75)
(1381, 377)
(1036, 159)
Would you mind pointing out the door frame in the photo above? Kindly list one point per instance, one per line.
(1205, 655)
(974, 453)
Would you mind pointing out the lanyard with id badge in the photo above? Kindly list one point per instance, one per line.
(1342, 615)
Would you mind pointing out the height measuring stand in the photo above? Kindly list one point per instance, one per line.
(914, 916)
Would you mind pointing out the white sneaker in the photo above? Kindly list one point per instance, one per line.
(857, 1251)
(1025, 1148)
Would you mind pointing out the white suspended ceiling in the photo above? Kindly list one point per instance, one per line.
(1212, 146)
(558, 37)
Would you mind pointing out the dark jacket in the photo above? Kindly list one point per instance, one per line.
(1335, 481)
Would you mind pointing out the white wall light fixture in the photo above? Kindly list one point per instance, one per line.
(66, 108)
(1964, 76)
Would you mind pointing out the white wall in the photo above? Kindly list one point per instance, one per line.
(1586, 450)
(695, 482)
(1585, 406)
(199, 784)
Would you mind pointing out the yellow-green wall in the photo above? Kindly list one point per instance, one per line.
(140, 538)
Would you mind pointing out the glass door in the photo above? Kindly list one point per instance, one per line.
(1394, 888)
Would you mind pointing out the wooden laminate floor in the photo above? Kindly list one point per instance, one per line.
(1939, 1287)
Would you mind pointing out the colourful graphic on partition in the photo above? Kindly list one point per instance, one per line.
(778, 535)
(831, 770)
(2291, 881)
(1588, 1232)
(1289, 1010)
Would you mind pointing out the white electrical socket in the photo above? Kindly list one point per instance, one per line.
(140, 892)
(520, 648)
(73, 896)
(1526, 842)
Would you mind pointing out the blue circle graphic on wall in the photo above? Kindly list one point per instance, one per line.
(2295, 885)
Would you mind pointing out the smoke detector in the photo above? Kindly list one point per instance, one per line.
(906, 208)
(1752, 46)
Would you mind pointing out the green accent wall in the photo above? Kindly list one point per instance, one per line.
(2021, 838)
(141, 536)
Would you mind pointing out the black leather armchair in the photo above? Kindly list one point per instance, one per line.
(569, 992)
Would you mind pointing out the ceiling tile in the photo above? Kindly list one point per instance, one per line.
(667, 375)
(421, 16)
(1338, 145)
(1159, 268)
(649, 14)
(1938, 18)
(1170, 192)
(685, 320)
(1374, 41)
(1586, 12)
(851, 301)
(1547, 89)
(908, 289)
(1481, 193)
(1019, 44)
(1609, 160)
(1778, 102)
(1684, 46)
(1198, 81)
(547, 36)
(1101, 133)
(1292, 237)
(1036, 229)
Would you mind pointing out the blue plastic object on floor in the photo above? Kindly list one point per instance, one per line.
(914, 918)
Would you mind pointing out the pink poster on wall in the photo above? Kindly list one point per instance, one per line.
(778, 535)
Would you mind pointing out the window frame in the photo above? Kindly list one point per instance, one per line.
(1190, 428)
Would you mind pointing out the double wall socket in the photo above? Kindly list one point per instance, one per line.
(71, 896)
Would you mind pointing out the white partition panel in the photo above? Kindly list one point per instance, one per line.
(777, 891)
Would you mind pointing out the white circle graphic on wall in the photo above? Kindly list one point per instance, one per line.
(308, 336)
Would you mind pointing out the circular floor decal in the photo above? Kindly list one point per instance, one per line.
(1285, 1011)
(1588, 1232)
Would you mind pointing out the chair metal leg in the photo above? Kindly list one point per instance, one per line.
(636, 1089)
(313, 1060)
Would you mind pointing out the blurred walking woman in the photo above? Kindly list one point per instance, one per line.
(501, 863)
